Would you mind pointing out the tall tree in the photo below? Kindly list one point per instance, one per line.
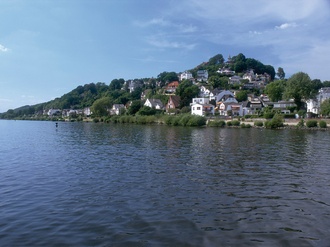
(299, 87)
(217, 59)
(187, 91)
(275, 90)
(280, 73)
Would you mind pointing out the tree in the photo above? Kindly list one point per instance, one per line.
(241, 96)
(325, 108)
(217, 59)
(299, 87)
(187, 91)
(280, 73)
(134, 107)
(326, 84)
(100, 107)
(168, 77)
(116, 84)
(275, 90)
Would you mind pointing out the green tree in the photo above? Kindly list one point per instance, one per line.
(168, 77)
(217, 59)
(280, 73)
(241, 96)
(116, 84)
(325, 108)
(100, 107)
(187, 91)
(134, 107)
(299, 87)
(275, 90)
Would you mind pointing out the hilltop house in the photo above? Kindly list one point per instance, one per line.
(186, 76)
(154, 103)
(202, 75)
(201, 106)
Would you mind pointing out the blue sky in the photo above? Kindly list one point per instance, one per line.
(48, 48)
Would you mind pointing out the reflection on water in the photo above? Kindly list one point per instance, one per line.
(125, 185)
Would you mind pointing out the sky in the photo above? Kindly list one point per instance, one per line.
(48, 48)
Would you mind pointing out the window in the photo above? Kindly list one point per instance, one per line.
(198, 108)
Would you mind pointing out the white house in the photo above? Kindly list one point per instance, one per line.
(202, 75)
(204, 92)
(230, 109)
(313, 105)
(201, 107)
(186, 76)
(154, 103)
(52, 112)
(116, 109)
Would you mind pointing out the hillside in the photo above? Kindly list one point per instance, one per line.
(117, 92)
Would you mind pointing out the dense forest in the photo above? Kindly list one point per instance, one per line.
(119, 92)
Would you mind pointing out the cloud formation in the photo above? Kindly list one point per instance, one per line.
(3, 48)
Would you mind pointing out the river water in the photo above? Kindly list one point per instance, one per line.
(87, 184)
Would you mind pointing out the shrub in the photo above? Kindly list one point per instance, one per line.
(258, 123)
(196, 121)
(217, 123)
(236, 123)
(268, 115)
(243, 125)
(323, 124)
(301, 123)
(311, 123)
(184, 120)
(229, 123)
(276, 122)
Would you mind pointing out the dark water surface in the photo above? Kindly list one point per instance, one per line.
(86, 184)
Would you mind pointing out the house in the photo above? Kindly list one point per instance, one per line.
(226, 71)
(201, 107)
(87, 111)
(171, 87)
(234, 80)
(202, 75)
(133, 84)
(254, 105)
(249, 75)
(204, 92)
(186, 76)
(154, 103)
(173, 103)
(117, 109)
(214, 93)
(230, 109)
(283, 106)
(52, 112)
(314, 105)
(226, 96)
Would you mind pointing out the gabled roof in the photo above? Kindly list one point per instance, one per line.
(175, 100)
(155, 102)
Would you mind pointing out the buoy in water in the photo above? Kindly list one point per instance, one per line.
(56, 124)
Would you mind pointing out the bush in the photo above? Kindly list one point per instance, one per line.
(311, 123)
(196, 121)
(184, 120)
(323, 124)
(236, 123)
(258, 123)
(229, 123)
(301, 123)
(243, 125)
(276, 122)
(217, 123)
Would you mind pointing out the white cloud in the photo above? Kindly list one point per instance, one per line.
(163, 43)
(152, 22)
(3, 49)
(286, 25)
